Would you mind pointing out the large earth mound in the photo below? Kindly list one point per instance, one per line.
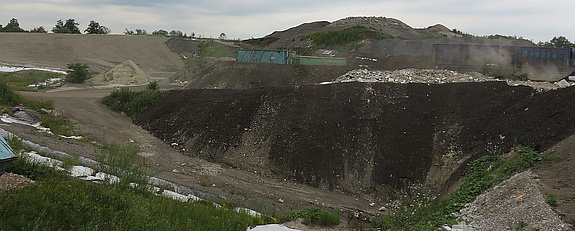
(298, 36)
(361, 137)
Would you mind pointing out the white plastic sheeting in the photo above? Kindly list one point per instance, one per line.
(272, 227)
(14, 69)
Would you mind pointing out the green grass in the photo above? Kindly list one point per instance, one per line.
(313, 216)
(59, 202)
(59, 125)
(63, 203)
(133, 103)
(20, 80)
(209, 48)
(481, 174)
(122, 161)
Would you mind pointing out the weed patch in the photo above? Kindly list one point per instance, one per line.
(314, 216)
(133, 103)
(59, 125)
(21, 80)
(551, 200)
(121, 161)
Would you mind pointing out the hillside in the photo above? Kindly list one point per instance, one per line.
(100, 52)
(297, 36)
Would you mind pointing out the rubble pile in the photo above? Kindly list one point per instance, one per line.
(380, 21)
(428, 76)
(437, 76)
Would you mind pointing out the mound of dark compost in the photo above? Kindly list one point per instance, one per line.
(360, 137)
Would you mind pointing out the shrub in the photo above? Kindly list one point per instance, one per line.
(78, 73)
(7, 96)
(131, 102)
(153, 86)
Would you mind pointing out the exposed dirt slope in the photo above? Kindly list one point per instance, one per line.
(234, 75)
(360, 137)
(101, 52)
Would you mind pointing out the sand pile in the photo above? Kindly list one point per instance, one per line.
(125, 73)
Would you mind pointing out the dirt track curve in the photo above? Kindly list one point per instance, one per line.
(81, 105)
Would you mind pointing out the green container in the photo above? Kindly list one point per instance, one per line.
(314, 60)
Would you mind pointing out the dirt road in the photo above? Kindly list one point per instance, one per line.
(80, 103)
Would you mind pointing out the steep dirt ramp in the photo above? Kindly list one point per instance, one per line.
(101, 52)
(360, 137)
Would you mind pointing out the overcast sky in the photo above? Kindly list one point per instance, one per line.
(533, 19)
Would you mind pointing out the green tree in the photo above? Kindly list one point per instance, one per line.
(176, 33)
(78, 73)
(223, 36)
(160, 33)
(561, 42)
(141, 32)
(13, 26)
(39, 29)
(59, 28)
(70, 27)
(128, 32)
(557, 42)
(95, 28)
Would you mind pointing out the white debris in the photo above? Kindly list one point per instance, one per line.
(80, 171)
(272, 227)
(428, 76)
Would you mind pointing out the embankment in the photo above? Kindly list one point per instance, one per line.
(361, 137)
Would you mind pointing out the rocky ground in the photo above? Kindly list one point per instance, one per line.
(517, 203)
(10, 181)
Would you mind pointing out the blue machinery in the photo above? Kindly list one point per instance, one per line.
(7, 155)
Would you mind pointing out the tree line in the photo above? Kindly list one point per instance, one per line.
(70, 26)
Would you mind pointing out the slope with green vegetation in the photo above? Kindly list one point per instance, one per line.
(60, 202)
(481, 174)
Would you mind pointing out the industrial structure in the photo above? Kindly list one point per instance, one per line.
(286, 57)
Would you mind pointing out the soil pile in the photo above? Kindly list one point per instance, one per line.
(361, 137)
(126, 73)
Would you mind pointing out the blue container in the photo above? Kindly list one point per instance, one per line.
(7, 155)
(263, 56)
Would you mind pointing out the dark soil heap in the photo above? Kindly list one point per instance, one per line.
(361, 137)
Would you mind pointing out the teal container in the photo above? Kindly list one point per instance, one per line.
(7, 155)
